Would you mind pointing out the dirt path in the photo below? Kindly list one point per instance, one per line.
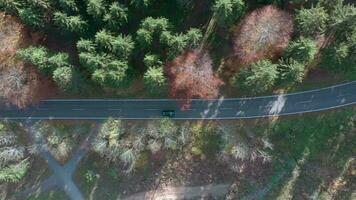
(176, 193)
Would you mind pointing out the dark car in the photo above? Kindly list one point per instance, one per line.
(168, 113)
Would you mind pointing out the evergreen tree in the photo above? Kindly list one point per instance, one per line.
(64, 77)
(291, 71)
(31, 17)
(312, 21)
(154, 79)
(152, 60)
(258, 77)
(302, 50)
(38, 56)
(227, 12)
(194, 37)
(150, 28)
(68, 5)
(116, 16)
(96, 8)
(71, 24)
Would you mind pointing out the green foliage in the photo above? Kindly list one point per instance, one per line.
(37, 56)
(106, 57)
(116, 16)
(312, 21)
(205, 140)
(56, 65)
(152, 60)
(228, 12)
(291, 71)
(68, 5)
(154, 79)
(341, 54)
(31, 17)
(64, 76)
(258, 77)
(96, 8)
(14, 172)
(194, 37)
(150, 28)
(90, 176)
(73, 24)
(302, 50)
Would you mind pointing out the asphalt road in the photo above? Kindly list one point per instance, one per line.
(240, 108)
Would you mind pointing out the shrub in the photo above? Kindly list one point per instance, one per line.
(262, 34)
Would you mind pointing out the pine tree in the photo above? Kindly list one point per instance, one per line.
(291, 71)
(116, 16)
(154, 79)
(258, 77)
(70, 24)
(227, 12)
(312, 21)
(302, 50)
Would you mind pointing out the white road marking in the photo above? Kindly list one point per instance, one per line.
(303, 102)
(226, 108)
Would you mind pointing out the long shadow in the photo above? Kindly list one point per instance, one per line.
(307, 142)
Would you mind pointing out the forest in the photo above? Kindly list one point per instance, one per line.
(181, 49)
(178, 49)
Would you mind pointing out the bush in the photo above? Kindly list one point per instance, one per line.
(262, 34)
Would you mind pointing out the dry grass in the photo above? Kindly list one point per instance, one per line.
(21, 84)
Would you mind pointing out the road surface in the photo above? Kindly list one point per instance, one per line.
(238, 108)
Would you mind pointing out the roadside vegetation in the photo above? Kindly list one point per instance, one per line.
(262, 159)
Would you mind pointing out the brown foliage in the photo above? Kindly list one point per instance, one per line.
(191, 76)
(19, 84)
(263, 33)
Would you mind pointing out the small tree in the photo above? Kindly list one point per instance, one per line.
(228, 11)
(96, 8)
(71, 24)
(64, 77)
(291, 71)
(258, 77)
(116, 16)
(312, 21)
(154, 79)
(194, 37)
(37, 56)
(302, 50)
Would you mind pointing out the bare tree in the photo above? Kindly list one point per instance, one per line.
(191, 76)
